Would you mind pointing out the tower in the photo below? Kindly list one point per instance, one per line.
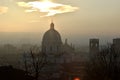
(94, 46)
(116, 43)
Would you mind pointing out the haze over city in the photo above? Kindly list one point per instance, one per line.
(77, 20)
(59, 39)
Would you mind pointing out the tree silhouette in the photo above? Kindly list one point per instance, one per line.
(104, 65)
(34, 61)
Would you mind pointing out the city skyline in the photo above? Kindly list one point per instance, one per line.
(99, 19)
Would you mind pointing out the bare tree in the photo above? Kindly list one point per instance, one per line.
(34, 61)
(105, 65)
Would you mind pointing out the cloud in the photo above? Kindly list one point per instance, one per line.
(23, 0)
(34, 21)
(46, 6)
(3, 9)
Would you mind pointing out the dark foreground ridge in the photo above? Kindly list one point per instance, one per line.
(10, 73)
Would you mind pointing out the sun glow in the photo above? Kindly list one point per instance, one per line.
(47, 6)
(76, 78)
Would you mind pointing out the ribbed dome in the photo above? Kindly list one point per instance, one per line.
(51, 40)
(52, 36)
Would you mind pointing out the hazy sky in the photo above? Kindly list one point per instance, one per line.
(93, 18)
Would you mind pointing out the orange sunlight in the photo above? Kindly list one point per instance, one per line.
(76, 78)
(46, 6)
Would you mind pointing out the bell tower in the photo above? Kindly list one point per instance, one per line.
(94, 46)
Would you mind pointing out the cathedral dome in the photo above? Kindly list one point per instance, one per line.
(52, 36)
(51, 40)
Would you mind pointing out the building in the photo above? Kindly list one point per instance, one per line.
(116, 43)
(52, 44)
(93, 46)
(57, 52)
